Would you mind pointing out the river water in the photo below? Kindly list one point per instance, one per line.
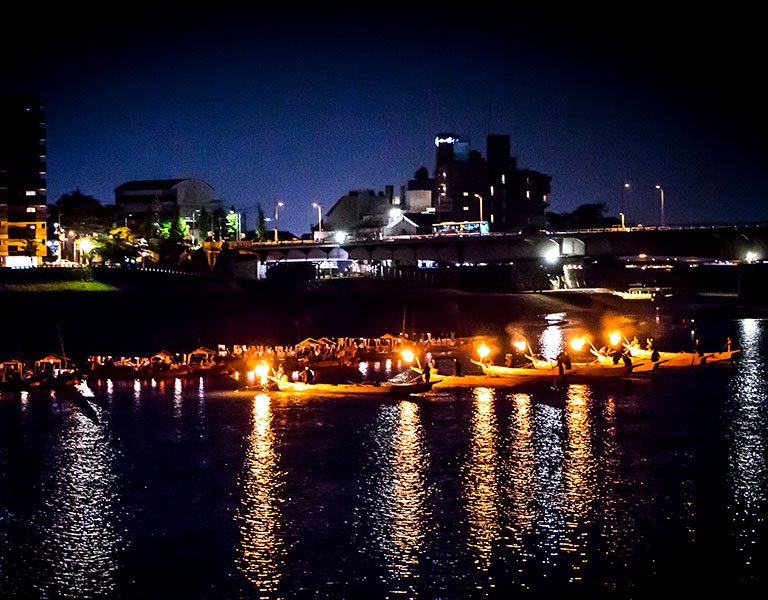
(179, 489)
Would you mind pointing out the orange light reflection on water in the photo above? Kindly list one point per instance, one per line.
(399, 503)
(482, 479)
(260, 549)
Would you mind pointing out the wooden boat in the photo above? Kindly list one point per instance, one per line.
(639, 365)
(681, 359)
(577, 372)
(127, 372)
(407, 388)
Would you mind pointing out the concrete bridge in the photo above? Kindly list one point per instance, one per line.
(747, 242)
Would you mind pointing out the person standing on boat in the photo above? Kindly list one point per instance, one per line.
(563, 362)
(456, 367)
(307, 375)
(426, 371)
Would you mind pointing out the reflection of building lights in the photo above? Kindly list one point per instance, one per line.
(747, 445)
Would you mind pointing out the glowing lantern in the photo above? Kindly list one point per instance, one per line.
(483, 351)
(578, 343)
(262, 370)
(521, 345)
(615, 338)
(407, 355)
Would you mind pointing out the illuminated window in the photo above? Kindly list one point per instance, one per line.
(31, 193)
(30, 209)
(527, 193)
(503, 178)
(466, 208)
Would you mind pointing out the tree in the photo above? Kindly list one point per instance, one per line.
(179, 230)
(82, 213)
(233, 224)
(261, 226)
(204, 224)
(117, 245)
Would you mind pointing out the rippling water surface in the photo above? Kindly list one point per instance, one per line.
(179, 489)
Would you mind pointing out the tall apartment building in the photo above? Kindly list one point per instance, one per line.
(23, 204)
(469, 187)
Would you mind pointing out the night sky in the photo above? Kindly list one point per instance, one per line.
(301, 105)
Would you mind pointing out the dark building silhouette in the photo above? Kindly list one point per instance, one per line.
(140, 204)
(468, 187)
(23, 203)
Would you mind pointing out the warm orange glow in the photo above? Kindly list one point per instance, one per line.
(261, 371)
(483, 351)
(615, 338)
(407, 355)
(578, 343)
(521, 345)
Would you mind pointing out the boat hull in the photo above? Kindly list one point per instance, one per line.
(355, 389)
(682, 359)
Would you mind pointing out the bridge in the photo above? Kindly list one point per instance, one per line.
(744, 242)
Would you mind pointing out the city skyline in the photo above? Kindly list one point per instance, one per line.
(301, 110)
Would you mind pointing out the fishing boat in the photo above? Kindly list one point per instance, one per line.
(50, 373)
(679, 359)
(639, 364)
(162, 365)
(386, 388)
(546, 372)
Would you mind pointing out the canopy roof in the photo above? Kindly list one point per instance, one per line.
(52, 358)
(203, 350)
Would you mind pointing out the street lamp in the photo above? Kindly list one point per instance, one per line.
(625, 186)
(278, 205)
(479, 197)
(661, 189)
(319, 216)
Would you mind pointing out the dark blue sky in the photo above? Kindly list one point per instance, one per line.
(300, 106)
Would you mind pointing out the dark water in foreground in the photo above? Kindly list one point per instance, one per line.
(624, 489)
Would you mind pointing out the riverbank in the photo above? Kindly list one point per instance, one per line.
(144, 321)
